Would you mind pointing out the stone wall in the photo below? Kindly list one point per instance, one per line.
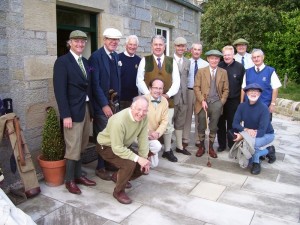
(288, 108)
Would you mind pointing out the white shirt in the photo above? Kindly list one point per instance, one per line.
(143, 88)
(178, 60)
(275, 82)
(127, 54)
(248, 63)
(201, 64)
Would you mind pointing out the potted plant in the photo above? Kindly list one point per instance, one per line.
(52, 159)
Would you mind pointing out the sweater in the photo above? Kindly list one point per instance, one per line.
(121, 131)
(256, 116)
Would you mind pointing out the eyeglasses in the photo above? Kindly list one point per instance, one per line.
(77, 41)
(112, 39)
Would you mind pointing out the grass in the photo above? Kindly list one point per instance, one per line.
(291, 92)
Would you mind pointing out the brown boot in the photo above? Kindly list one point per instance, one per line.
(211, 150)
(201, 149)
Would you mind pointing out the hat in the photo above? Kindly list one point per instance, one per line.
(253, 86)
(180, 41)
(214, 52)
(112, 33)
(240, 41)
(78, 34)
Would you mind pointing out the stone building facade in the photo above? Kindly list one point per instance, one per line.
(33, 33)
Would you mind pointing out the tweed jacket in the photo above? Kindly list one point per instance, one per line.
(202, 86)
(181, 96)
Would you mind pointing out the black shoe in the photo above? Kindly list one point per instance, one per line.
(183, 151)
(262, 158)
(170, 156)
(255, 168)
(221, 149)
(271, 155)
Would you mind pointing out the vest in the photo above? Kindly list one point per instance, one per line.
(213, 93)
(165, 74)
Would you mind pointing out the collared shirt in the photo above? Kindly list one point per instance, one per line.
(127, 54)
(140, 83)
(201, 64)
(213, 71)
(248, 63)
(107, 52)
(178, 59)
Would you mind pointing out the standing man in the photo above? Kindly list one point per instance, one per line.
(266, 77)
(196, 63)
(242, 56)
(180, 99)
(211, 91)
(130, 62)
(165, 68)
(106, 75)
(122, 130)
(157, 117)
(235, 73)
(71, 81)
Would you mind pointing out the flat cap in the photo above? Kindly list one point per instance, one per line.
(253, 86)
(180, 41)
(214, 52)
(78, 34)
(112, 33)
(240, 41)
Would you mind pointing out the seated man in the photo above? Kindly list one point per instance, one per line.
(158, 118)
(122, 130)
(256, 122)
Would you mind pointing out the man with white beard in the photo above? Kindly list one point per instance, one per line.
(256, 122)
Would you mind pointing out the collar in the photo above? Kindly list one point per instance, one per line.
(161, 58)
(130, 115)
(177, 58)
(127, 54)
(107, 52)
(151, 98)
(262, 66)
(75, 55)
(211, 69)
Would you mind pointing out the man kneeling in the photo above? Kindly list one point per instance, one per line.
(122, 130)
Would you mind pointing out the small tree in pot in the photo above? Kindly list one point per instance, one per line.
(53, 150)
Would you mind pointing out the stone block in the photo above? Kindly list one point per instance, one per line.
(40, 35)
(109, 20)
(51, 43)
(4, 5)
(3, 46)
(189, 16)
(11, 20)
(132, 24)
(43, 19)
(147, 29)
(158, 4)
(38, 67)
(15, 6)
(27, 47)
(174, 8)
(3, 62)
(143, 14)
(91, 5)
(126, 10)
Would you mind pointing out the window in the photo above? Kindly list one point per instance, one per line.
(166, 33)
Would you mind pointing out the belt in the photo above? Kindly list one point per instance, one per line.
(191, 88)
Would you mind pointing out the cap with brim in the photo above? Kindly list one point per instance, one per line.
(240, 41)
(78, 34)
(180, 41)
(254, 86)
(112, 33)
(214, 53)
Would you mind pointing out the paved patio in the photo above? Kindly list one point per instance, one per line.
(188, 192)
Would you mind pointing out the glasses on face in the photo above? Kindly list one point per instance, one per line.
(112, 39)
(77, 41)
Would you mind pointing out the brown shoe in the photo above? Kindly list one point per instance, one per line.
(212, 153)
(103, 174)
(122, 197)
(184, 145)
(114, 179)
(72, 187)
(200, 151)
(83, 180)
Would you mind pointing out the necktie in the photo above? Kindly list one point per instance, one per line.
(155, 101)
(179, 63)
(257, 69)
(213, 74)
(243, 62)
(159, 63)
(196, 68)
(111, 56)
(81, 66)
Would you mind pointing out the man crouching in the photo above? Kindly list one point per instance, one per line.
(121, 131)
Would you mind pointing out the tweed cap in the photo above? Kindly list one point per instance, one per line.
(253, 86)
(112, 33)
(214, 52)
(240, 41)
(78, 34)
(180, 41)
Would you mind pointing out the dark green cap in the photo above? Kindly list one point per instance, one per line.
(214, 52)
(78, 34)
(241, 41)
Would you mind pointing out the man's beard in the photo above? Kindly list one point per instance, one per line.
(253, 99)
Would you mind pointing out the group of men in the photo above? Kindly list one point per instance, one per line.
(130, 100)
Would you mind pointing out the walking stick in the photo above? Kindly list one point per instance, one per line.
(207, 139)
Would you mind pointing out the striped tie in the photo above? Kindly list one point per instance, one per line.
(81, 66)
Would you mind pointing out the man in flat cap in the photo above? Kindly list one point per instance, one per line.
(211, 91)
(242, 56)
(72, 89)
(165, 68)
(180, 99)
(106, 72)
(257, 124)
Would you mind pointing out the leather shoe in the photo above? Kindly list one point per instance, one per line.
(114, 179)
(221, 149)
(212, 153)
(72, 187)
(255, 168)
(83, 180)
(200, 151)
(271, 155)
(183, 151)
(184, 145)
(122, 197)
(170, 156)
(197, 145)
(103, 174)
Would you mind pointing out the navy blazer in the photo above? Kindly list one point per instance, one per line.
(71, 87)
(99, 62)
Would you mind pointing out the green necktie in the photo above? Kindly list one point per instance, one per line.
(81, 66)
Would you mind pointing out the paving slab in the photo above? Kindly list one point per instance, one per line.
(208, 191)
(263, 219)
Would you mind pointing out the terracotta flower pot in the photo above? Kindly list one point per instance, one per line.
(54, 171)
